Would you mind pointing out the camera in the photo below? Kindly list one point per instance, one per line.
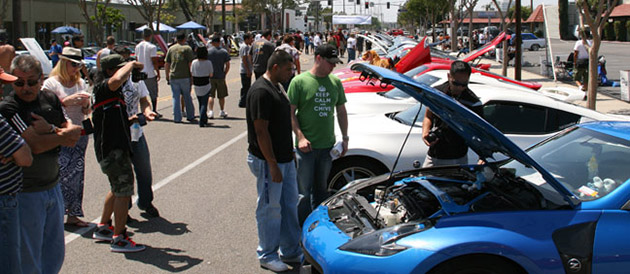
(88, 128)
(137, 75)
(434, 135)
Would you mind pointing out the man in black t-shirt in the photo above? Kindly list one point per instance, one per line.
(112, 144)
(446, 147)
(271, 160)
(261, 51)
(37, 116)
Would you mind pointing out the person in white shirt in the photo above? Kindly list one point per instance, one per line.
(146, 53)
(111, 42)
(317, 40)
(202, 70)
(580, 62)
(352, 47)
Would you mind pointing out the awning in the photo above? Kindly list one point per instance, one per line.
(190, 25)
(163, 28)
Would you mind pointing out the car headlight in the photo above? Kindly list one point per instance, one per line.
(383, 242)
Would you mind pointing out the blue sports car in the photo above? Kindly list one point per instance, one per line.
(561, 207)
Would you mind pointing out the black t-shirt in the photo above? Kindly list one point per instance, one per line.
(261, 50)
(269, 103)
(111, 123)
(43, 173)
(450, 144)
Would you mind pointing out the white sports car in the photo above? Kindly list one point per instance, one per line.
(379, 123)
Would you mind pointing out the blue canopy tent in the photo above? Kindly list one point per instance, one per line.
(66, 30)
(191, 25)
(163, 28)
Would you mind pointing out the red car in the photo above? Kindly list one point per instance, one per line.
(396, 32)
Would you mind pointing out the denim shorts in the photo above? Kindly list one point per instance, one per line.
(117, 166)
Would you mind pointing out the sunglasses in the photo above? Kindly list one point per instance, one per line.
(75, 65)
(458, 84)
(21, 83)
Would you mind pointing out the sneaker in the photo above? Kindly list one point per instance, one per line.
(275, 266)
(103, 232)
(151, 210)
(223, 114)
(122, 243)
(210, 114)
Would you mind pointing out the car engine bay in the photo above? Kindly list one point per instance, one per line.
(430, 195)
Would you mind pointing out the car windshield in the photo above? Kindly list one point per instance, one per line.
(588, 163)
(407, 116)
(396, 93)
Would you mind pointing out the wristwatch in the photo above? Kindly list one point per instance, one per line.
(346, 138)
(52, 128)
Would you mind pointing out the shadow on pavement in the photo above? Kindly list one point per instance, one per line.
(158, 224)
(167, 259)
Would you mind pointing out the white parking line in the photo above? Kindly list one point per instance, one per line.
(74, 235)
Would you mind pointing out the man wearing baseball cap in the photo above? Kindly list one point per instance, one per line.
(112, 144)
(314, 96)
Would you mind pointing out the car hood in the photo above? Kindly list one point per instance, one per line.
(419, 55)
(488, 47)
(480, 136)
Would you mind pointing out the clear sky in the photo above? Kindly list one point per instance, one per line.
(390, 15)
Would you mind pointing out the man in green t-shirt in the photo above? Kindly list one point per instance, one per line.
(314, 97)
(177, 68)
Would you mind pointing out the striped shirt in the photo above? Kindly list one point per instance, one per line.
(10, 174)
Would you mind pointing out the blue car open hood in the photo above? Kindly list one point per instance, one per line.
(480, 136)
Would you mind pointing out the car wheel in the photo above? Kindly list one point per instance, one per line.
(477, 264)
(348, 169)
(535, 47)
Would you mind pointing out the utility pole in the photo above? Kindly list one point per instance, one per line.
(517, 41)
(235, 28)
(17, 22)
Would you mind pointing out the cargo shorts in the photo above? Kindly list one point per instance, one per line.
(117, 166)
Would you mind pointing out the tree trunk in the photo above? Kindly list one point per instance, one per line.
(470, 29)
(592, 72)
(453, 29)
(17, 22)
(504, 51)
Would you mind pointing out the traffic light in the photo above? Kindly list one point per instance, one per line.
(305, 18)
(358, 2)
(330, 2)
(387, 5)
(367, 5)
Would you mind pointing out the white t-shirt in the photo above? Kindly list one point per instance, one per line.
(133, 92)
(201, 68)
(582, 52)
(74, 112)
(352, 43)
(144, 52)
(317, 41)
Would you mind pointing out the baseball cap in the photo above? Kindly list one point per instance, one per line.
(329, 53)
(5, 77)
(112, 61)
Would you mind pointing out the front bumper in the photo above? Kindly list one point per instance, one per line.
(321, 240)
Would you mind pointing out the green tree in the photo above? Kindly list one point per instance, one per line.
(376, 24)
(112, 18)
(95, 23)
(620, 31)
(525, 12)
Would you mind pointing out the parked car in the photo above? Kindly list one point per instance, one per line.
(530, 41)
(559, 207)
(383, 120)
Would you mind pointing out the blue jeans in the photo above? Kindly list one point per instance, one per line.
(10, 234)
(276, 212)
(182, 87)
(313, 169)
(41, 230)
(141, 160)
(203, 109)
(351, 54)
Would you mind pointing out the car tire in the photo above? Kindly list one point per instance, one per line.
(347, 169)
(534, 47)
(477, 264)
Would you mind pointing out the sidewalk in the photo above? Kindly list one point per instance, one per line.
(605, 104)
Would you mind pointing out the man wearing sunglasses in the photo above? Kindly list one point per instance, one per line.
(445, 146)
(38, 117)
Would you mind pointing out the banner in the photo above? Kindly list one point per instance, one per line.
(352, 19)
